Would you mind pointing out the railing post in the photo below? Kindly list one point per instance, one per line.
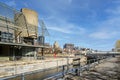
(80, 69)
(22, 76)
(94, 62)
(67, 64)
(89, 65)
(57, 63)
(76, 65)
(63, 70)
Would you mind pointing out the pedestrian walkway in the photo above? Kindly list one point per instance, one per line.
(108, 70)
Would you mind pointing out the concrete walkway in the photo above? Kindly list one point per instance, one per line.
(108, 70)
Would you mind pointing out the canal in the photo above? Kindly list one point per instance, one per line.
(39, 75)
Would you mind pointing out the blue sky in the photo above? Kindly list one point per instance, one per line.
(86, 23)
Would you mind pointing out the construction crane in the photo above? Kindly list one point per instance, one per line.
(42, 33)
(43, 29)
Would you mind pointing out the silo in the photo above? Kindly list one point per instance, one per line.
(27, 21)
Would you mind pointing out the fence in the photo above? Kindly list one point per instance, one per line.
(20, 70)
(77, 71)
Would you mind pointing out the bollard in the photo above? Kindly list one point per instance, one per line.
(94, 63)
(76, 65)
(67, 64)
(80, 69)
(76, 72)
(22, 76)
(97, 60)
(89, 65)
(63, 70)
(57, 63)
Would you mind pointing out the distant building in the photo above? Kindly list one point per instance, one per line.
(47, 44)
(68, 46)
(41, 40)
(117, 46)
(77, 48)
(113, 49)
(56, 45)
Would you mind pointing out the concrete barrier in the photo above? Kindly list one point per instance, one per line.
(25, 67)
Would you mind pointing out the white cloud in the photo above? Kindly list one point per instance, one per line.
(106, 32)
(66, 27)
(103, 35)
(59, 29)
(115, 11)
(109, 28)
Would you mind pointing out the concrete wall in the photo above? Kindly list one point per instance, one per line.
(22, 67)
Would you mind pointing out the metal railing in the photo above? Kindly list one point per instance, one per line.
(77, 71)
(65, 69)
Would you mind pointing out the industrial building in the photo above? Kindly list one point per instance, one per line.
(18, 33)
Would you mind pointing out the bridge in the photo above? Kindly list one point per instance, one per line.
(103, 54)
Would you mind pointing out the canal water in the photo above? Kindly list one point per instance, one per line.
(39, 75)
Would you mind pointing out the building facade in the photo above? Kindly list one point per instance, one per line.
(68, 46)
(18, 32)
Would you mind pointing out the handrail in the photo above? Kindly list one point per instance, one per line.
(81, 68)
(65, 71)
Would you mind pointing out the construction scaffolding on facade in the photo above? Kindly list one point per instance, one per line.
(18, 33)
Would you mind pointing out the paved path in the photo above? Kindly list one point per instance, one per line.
(108, 70)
